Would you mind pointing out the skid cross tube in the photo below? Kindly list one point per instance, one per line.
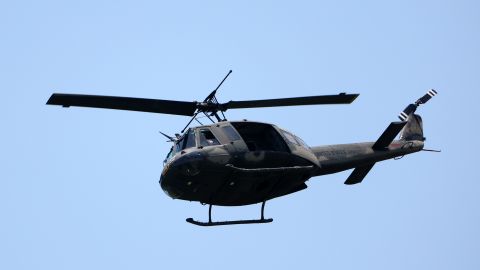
(210, 214)
(263, 208)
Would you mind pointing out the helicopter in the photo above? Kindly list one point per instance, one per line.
(237, 163)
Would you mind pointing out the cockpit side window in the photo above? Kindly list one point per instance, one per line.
(207, 138)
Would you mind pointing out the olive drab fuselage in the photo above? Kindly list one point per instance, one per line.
(206, 173)
(229, 171)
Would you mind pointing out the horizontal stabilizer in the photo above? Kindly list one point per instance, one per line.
(388, 135)
(358, 174)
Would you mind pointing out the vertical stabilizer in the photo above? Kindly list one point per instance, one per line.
(413, 130)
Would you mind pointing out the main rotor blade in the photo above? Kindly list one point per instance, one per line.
(124, 103)
(341, 98)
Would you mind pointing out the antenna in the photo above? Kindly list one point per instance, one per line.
(206, 104)
(212, 94)
(432, 150)
(212, 97)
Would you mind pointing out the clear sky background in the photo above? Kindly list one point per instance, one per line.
(79, 187)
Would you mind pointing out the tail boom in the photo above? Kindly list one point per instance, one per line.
(341, 157)
(363, 156)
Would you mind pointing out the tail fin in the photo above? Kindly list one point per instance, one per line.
(413, 130)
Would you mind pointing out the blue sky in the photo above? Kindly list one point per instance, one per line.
(79, 187)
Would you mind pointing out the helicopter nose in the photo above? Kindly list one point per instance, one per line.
(176, 174)
(166, 184)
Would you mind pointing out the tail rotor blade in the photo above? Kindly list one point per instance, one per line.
(407, 111)
(413, 107)
(431, 93)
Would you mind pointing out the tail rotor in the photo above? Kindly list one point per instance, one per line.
(410, 109)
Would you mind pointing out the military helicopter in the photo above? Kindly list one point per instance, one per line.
(236, 163)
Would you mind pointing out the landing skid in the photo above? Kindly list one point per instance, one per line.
(231, 222)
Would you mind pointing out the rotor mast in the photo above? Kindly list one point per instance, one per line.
(209, 106)
(212, 99)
